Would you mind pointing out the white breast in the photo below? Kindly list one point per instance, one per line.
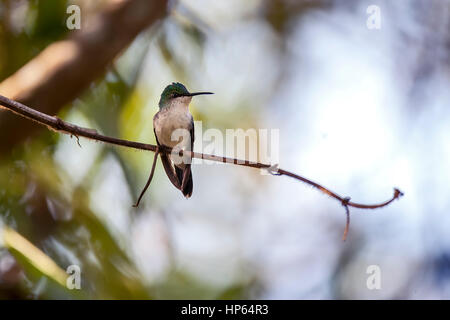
(172, 126)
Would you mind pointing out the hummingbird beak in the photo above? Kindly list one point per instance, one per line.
(198, 93)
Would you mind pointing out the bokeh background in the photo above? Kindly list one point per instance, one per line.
(358, 110)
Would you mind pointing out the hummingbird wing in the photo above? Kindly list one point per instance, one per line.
(168, 167)
(185, 174)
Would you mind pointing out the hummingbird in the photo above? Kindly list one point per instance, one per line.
(173, 126)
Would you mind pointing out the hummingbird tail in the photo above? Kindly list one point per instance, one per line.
(188, 185)
(171, 173)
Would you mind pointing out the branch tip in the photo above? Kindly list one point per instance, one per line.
(398, 193)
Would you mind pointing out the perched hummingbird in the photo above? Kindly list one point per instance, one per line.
(174, 114)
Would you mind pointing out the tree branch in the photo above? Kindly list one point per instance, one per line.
(58, 125)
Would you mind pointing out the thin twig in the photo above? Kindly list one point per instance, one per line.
(58, 125)
(152, 172)
(347, 214)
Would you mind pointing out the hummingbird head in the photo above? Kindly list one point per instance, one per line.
(177, 91)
